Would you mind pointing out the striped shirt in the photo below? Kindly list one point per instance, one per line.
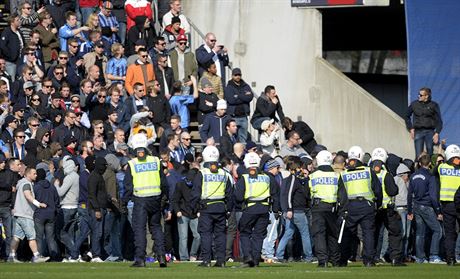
(111, 22)
(117, 67)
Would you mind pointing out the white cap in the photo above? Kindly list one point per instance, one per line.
(324, 158)
(221, 104)
(210, 154)
(356, 152)
(139, 141)
(379, 154)
(452, 151)
(266, 123)
(251, 160)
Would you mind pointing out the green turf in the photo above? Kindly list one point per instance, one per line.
(190, 270)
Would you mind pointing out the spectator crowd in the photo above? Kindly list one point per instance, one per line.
(79, 79)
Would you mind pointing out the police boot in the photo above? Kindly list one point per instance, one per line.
(248, 262)
(162, 261)
(138, 263)
(205, 264)
(395, 262)
(369, 264)
(322, 265)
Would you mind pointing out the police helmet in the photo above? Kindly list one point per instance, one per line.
(251, 160)
(210, 154)
(379, 154)
(324, 158)
(356, 152)
(139, 141)
(452, 151)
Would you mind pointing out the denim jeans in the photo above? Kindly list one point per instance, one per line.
(112, 234)
(122, 32)
(405, 229)
(183, 224)
(7, 221)
(97, 227)
(300, 221)
(425, 216)
(10, 68)
(84, 224)
(68, 222)
(45, 229)
(423, 137)
(242, 123)
(268, 248)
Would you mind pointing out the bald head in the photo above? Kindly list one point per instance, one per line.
(210, 40)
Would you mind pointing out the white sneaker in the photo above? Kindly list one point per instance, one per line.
(97, 260)
(40, 259)
(193, 259)
(13, 260)
(70, 260)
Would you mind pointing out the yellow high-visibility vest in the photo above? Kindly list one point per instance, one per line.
(146, 176)
(358, 183)
(386, 199)
(213, 185)
(324, 185)
(449, 178)
(257, 189)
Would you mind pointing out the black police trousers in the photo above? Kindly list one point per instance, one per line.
(325, 232)
(392, 221)
(253, 230)
(450, 219)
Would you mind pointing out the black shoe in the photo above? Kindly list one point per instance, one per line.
(219, 264)
(205, 264)
(162, 261)
(451, 262)
(138, 264)
(369, 264)
(322, 265)
(397, 263)
(245, 265)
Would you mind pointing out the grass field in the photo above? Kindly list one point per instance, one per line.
(190, 270)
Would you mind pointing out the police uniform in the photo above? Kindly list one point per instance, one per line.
(145, 185)
(387, 216)
(363, 191)
(323, 185)
(213, 191)
(449, 179)
(257, 193)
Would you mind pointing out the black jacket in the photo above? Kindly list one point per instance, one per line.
(238, 98)
(138, 32)
(169, 76)
(182, 200)
(97, 194)
(427, 115)
(295, 195)
(8, 179)
(46, 193)
(226, 145)
(97, 111)
(9, 45)
(204, 109)
(62, 130)
(305, 133)
(161, 109)
(265, 108)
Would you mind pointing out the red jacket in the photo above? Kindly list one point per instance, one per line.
(136, 8)
(89, 3)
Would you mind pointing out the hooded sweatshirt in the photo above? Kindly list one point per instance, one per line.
(110, 178)
(47, 194)
(97, 193)
(43, 151)
(69, 190)
(30, 160)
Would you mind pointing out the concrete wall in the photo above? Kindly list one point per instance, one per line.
(275, 44)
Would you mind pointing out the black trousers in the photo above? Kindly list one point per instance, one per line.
(392, 222)
(325, 232)
(253, 230)
(450, 219)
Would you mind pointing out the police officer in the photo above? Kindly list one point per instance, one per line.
(146, 185)
(257, 192)
(449, 179)
(324, 186)
(364, 195)
(386, 214)
(213, 191)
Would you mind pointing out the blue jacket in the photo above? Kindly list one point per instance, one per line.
(9, 42)
(213, 126)
(423, 191)
(203, 57)
(237, 99)
(46, 193)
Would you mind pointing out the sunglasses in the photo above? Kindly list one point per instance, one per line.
(47, 86)
(163, 44)
(144, 56)
(29, 74)
(75, 101)
(21, 137)
(46, 135)
(21, 110)
(63, 58)
(182, 43)
(58, 73)
(34, 125)
(35, 100)
(74, 46)
(213, 41)
(30, 53)
(187, 139)
(101, 96)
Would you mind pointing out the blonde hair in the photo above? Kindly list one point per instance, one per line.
(115, 47)
(90, 24)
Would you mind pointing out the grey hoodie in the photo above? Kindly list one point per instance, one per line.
(70, 188)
